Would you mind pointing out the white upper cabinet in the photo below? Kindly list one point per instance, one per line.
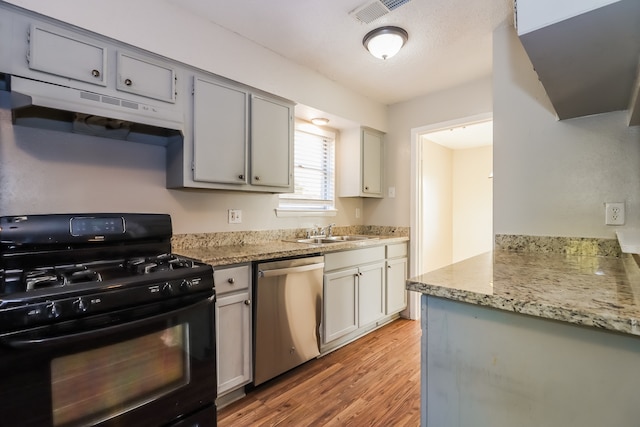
(241, 140)
(360, 163)
(271, 143)
(220, 134)
(145, 77)
(585, 53)
(67, 55)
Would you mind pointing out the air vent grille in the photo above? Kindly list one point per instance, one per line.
(393, 4)
(371, 11)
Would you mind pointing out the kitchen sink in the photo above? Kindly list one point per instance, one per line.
(334, 239)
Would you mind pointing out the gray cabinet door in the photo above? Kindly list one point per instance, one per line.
(340, 314)
(233, 336)
(371, 293)
(65, 55)
(219, 133)
(271, 143)
(371, 163)
(396, 291)
(144, 77)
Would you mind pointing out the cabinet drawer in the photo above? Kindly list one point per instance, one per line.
(397, 250)
(231, 279)
(356, 257)
(67, 56)
(143, 77)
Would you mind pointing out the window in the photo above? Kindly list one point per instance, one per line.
(314, 176)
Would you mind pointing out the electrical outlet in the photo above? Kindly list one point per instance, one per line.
(235, 216)
(614, 214)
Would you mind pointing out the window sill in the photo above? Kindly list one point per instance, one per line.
(305, 212)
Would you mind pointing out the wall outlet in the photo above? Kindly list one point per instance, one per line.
(614, 213)
(235, 216)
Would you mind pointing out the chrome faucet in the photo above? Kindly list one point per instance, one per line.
(314, 231)
(327, 231)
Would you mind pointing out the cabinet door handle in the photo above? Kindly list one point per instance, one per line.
(388, 266)
(231, 280)
(366, 188)
(257, 178)
(95, 73)
(247, 302)
(240, 176)
(128, 82)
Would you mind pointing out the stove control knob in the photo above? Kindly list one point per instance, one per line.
(167, 289)
(186, 285)
(52, 310)
(80, 305)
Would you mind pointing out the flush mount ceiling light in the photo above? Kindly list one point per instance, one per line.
(320, 121)
(384, 42)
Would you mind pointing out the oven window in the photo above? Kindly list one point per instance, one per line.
(102, 383)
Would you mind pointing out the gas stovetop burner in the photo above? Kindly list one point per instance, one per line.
(59, 276)
(146, 265)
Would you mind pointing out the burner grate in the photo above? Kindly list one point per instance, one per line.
(59, 276)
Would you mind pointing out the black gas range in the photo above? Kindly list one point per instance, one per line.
(104, 287)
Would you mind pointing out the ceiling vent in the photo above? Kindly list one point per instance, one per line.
(371, 11)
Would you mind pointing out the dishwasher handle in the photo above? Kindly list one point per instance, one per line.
(290, 270)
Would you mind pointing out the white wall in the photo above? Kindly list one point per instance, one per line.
(472, 202)
(457, 204)
(553, 177)
(437, 206)
(466, 100)
(48, 172)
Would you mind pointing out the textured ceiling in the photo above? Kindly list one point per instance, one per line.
(449, 40)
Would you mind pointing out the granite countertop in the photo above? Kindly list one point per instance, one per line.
(596, 291)
(219, 255)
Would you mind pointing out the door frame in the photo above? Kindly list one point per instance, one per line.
(416, 212)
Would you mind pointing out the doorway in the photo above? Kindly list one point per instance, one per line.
(451, 195)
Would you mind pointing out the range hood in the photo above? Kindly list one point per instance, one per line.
(49, 106)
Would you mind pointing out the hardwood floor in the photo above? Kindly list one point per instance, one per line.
(374, 381)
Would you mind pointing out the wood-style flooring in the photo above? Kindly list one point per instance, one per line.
(374, 381)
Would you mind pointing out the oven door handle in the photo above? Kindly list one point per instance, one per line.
(25, 344)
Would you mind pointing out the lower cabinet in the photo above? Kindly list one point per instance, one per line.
(233, 328)
(354, 294)
(363, 288)
(371, 293)
(397, 267)
(340, 315)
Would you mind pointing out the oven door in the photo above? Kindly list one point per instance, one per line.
(144, 366)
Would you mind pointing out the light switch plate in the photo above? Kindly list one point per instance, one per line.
(235, 216)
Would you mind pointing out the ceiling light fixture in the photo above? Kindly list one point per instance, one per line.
(320, 121)
(384, 42)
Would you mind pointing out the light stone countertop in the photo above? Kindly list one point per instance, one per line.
(596, 291)
(220, 255)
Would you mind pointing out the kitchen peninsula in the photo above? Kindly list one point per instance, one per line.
(542, 337)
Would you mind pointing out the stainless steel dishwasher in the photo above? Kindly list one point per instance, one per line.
(288, 314)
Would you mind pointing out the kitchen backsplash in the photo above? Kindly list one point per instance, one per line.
(184, 241)
(561, 245)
